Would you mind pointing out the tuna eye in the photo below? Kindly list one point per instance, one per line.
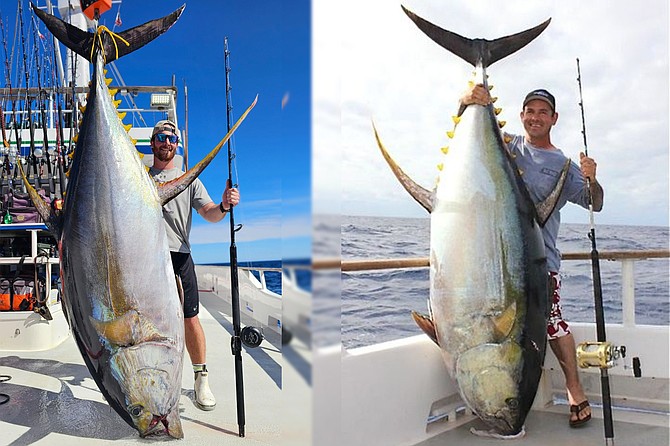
(513, 403)
(135, 410)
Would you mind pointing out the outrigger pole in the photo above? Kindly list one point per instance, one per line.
(236, 340)
(597, 289)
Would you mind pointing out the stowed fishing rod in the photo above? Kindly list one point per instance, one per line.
(599, 354)
(249, 336)
(42, 156)
(31, 157)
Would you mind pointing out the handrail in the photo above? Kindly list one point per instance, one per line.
(421, 262)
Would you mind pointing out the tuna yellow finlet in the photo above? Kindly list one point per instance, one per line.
(497, 110)
(507, 139)
(450, 134)
(117, 103)
(445, 150)
(440, 166)
(501, 124)
(456, 119)
(128, 127)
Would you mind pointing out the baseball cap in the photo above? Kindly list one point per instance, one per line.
(542, 95)
(164, 126)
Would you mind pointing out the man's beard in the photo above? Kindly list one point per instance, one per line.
(164, 156)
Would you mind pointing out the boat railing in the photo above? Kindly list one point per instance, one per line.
(627, 259)
(261, 273)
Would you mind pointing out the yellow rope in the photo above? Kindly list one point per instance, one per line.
(98, 35)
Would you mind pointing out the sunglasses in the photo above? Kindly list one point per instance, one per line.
(162, 137)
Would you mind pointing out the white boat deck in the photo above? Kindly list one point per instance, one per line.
(550, 428)
(53, 399)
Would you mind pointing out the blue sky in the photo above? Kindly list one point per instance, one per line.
(270, 57)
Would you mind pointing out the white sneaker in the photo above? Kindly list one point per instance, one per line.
(204, 398)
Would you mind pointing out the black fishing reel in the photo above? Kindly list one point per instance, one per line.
(252, 336)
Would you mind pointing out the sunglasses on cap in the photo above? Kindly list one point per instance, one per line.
(162, 137)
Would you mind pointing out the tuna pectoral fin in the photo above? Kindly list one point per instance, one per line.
(114, 45)
(475, 50)
(170, 189)
(421, 195)
(503, 323)
(546, 207)
(129, 329)
(52, 220)
(426, 324)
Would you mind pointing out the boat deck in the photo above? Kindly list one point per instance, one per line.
(53, 399)
(550, 428)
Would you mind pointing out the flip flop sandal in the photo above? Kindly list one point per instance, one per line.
(576, 409)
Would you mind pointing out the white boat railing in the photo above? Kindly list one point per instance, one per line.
(627, 259)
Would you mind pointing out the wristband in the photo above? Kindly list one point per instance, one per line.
(223, 211)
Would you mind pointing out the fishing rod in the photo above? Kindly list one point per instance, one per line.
(41, 101)
(235, 342)
(249, 336)
(598, 297)
(32, 159)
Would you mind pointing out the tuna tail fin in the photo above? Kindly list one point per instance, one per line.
(114, 45)
(475, 50)
(170, 189)
(423, 196)
(546, 207)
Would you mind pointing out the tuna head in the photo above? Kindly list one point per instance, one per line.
(150, 376)
(488, 377)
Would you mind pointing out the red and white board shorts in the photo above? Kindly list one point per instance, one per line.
(556, 327)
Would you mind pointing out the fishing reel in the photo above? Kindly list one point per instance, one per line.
(252, 336)
(602, 355)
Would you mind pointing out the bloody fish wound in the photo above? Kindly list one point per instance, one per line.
(488, 276)
(120, 299)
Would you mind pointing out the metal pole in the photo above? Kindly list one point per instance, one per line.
(597, 289)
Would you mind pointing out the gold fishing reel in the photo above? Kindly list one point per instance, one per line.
(599, 354)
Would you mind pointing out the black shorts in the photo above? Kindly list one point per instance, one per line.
(185, 269)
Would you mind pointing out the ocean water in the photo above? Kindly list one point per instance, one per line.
(376, 304)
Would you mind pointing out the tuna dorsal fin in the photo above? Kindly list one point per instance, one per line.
(115, 45)
(421, 195)
(475, 50)
(170, 189)
(50, 218)
(546, 207)
(426, 324)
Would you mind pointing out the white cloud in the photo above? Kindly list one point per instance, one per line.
(378, 65)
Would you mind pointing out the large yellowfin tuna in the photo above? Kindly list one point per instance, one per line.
(488, 292)
(119, 288)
